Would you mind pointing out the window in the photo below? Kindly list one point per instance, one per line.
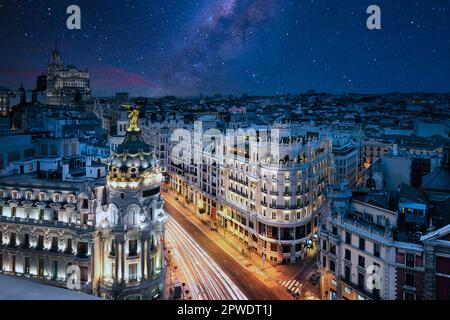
(324, 262)
(348, 255)
(324, 245)
(361, 261)
(132, 272)
(41, 267)
(410, 260)
(332, 248)
(347, 273)
(13, 211)
(332, 265)
(360, 280)
(273, 247)
(410, 280)
(72, 199)
(69, 246)
(84, 273)
(132, 248)
(85, 204)
(57, 197)
(376, 250)
(13, 263)
(82, 249)
(112, 251)
(26, 241)
(54, 269)
(335, 230)
(54, 246)
(362, 244)
(84, 219)
(12, 239)
(40, 242)
(41, 214)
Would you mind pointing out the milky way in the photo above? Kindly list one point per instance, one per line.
(221, 32)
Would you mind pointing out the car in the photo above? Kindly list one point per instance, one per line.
(314, 278)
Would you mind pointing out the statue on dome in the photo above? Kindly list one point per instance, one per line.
(133, 113)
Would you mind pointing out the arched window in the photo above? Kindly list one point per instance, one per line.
(113, 214)
(72, 198)
(29, 195)
(57, 197)
(132, 215)
(42, 196)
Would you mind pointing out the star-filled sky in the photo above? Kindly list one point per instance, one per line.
(258, 47)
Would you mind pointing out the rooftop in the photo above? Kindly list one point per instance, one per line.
(13, 288)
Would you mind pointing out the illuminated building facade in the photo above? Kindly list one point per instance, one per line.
(112, 230)
(267, 190)
(66, 84)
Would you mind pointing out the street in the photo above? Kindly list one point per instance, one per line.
(254, 285)
(204, 277)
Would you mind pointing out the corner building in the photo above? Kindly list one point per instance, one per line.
(130, 228)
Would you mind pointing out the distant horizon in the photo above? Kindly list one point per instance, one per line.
(240, 95)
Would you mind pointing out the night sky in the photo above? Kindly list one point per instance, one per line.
(186, 47)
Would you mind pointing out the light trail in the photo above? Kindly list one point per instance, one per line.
(205, 278)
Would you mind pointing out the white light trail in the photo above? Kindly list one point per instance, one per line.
(205, 278)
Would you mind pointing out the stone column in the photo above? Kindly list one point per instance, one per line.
(123, 259)
(116, 272)
(149, 260)
(143, 275)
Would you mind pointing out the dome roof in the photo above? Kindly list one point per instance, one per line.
(133, 157)
(134, 160)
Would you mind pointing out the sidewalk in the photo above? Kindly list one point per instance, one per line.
(271, 274)
(174, 274)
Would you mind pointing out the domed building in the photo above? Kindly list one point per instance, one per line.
(129, 263)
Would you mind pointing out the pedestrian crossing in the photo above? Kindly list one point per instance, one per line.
(294, 286)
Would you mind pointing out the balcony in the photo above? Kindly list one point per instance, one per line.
(83, 256)
(133, 255)
(243, 194)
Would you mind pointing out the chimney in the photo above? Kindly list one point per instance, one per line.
(65, 171)
(395, 150)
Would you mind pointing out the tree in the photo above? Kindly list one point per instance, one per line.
(117, 291)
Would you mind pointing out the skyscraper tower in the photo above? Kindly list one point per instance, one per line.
(130, 258)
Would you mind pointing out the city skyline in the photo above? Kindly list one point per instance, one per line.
(155, 48)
